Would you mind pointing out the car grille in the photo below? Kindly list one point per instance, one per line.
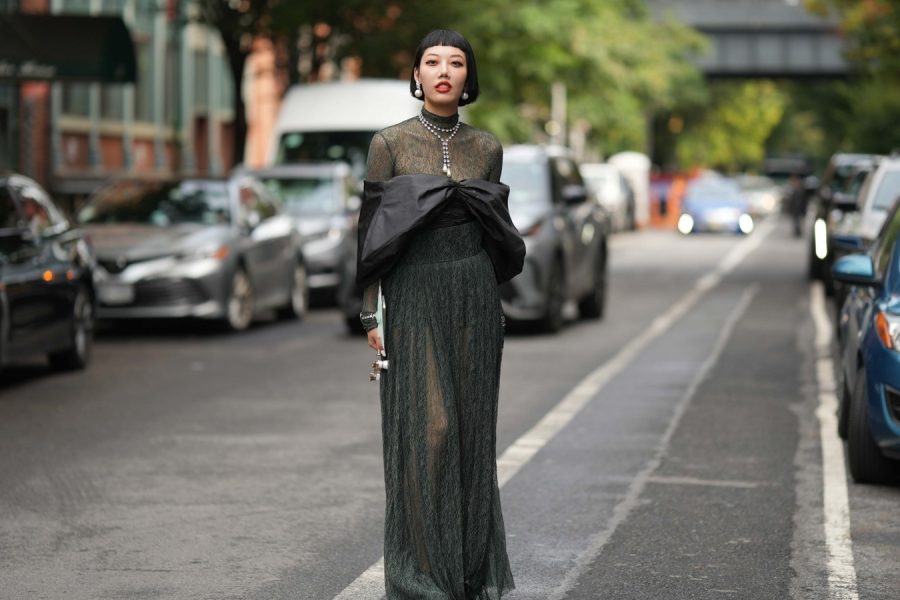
(892, 397)
(166, 292)
(117, 265)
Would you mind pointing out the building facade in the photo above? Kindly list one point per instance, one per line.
(176, 118)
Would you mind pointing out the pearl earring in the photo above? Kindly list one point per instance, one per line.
(418, 92)
(465, 96)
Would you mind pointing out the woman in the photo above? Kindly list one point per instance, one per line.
(435, 234)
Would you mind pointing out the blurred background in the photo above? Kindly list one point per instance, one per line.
(195, 87)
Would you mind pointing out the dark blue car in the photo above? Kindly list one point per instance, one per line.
(869, 336)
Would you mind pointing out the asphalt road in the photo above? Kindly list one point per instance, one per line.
(670, 451)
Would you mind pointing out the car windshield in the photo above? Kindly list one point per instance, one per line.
(348, 146)
(528, 185)
(305, 195)
(712, 194)
(888, 190)
(160, 203)
(601, 182)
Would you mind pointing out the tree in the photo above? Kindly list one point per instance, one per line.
(238, 22)
(731, 132)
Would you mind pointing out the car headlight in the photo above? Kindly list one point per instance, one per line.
(216, 251)
(887, 326)
(820, 236)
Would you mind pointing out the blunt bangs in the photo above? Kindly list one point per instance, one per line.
(448, 37)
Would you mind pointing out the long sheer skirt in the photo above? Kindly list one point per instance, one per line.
(444, 535)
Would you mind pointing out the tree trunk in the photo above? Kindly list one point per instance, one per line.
(237, 58)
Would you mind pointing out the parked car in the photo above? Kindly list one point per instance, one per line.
(206, 248)
(565, 233)
(47, 299)
(869, 345)
(836, 195)
(855, 229)
(714, 205)
(613, 191)
(763, 195)
(323, 199)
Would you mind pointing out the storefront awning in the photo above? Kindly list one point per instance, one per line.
(66, 48)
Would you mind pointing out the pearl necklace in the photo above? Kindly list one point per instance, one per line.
(445, 142)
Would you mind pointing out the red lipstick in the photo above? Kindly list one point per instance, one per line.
(443, 87)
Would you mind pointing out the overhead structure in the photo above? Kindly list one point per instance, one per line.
(760, 38)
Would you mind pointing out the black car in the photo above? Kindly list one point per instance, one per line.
(47, 303)
(836, 195)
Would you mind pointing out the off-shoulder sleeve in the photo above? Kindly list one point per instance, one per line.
(380, 161)
(496, 162)
(379, 167)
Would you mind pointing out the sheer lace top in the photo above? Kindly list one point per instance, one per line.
(408, 148)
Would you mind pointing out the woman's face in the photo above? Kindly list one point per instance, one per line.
(442, 73)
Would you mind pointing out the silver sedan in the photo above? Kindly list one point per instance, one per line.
(205, 248)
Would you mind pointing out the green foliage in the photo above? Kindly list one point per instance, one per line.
(874, 114)
(731, 132)
(868, 106)
(618, 65)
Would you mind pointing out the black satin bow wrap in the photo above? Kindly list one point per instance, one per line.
(393, 210)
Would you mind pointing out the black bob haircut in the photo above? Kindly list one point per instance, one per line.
(448, 37)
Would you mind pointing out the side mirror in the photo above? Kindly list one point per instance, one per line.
(855, 269)
(574, 193)
(845, 202)
(848, 244)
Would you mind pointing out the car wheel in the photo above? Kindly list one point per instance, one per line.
(77, 355)
(593, 305)
(552, 321)
(867, 463)
(298, 303)
(239, 311)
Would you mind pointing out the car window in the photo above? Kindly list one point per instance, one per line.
(855, 183)
(306, 195)
(159, 203)
(37, 211)
(528, 185)
(9, 215)
(255, 208)
(883, 248)
(888, 190)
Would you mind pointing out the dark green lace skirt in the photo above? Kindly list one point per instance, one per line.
(444, 535)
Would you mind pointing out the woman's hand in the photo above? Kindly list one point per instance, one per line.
(375, 341)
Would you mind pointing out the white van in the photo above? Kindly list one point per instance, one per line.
(336, 120)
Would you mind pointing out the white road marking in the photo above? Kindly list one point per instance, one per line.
(623, 509)
(838, 544)
(725, 483)
(370, 584)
